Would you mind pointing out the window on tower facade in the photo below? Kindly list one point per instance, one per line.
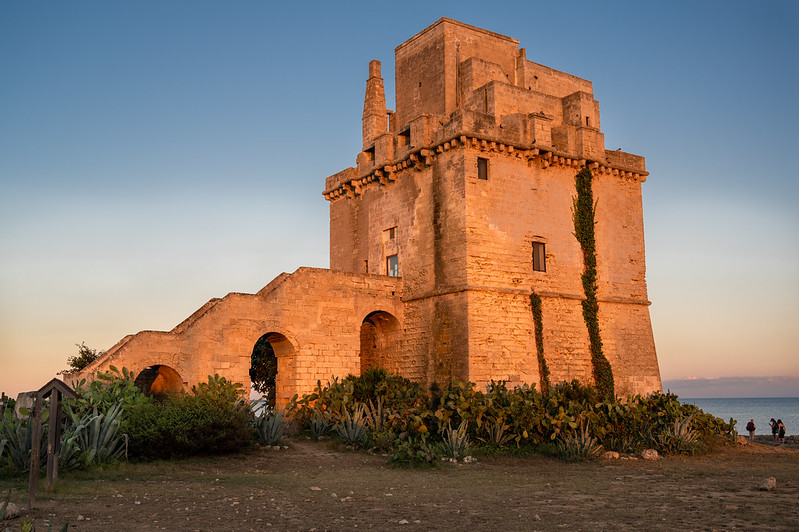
(392, 266)
(482, 168)
(539, 257)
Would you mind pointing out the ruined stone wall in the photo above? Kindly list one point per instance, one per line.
(314, 317)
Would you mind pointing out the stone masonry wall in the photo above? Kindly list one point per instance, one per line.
(314, 317)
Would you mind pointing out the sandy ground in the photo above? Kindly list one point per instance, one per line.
(315, 486)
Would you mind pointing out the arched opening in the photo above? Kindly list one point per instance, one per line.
(159, 381)
(268, 368)
(380, 342)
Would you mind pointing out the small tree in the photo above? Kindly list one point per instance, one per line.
(263, 370)
(86, 355)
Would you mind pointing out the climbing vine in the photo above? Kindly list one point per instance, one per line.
(538, 321)
(584, 221)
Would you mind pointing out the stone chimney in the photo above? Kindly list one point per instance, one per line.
(374, 106)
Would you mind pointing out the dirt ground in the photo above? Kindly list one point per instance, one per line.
(314, 486)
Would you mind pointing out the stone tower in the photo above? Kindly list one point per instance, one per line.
(466, 193)
(458, 210)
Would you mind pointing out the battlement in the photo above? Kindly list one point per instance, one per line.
(456, 82)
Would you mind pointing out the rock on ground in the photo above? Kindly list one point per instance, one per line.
(649, 454)
(12, 511)
(769, 484)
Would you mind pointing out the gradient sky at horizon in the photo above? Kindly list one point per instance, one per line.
(154, 155)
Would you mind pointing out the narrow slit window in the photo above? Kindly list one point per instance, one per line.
(366, 266)
(482, 168)
(392, 266)
(539, 257)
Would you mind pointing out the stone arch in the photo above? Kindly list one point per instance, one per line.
(380, 342)
(280, 355)
(159, 381)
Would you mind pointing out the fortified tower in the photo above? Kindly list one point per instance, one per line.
(449, 235)
(466, 192)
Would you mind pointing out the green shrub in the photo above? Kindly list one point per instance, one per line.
(212, 419)
(108, 390)
(416, 451)
(572, 417)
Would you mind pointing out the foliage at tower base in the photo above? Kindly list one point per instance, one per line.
(396, 416)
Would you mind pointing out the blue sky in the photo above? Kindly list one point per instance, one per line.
(154, 155)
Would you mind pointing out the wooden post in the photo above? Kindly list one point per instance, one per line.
(56, 389)
(53, 437)
(36, 419)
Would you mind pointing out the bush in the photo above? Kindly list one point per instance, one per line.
(213, 419)
(108, 390)
(416, 451)
(395, 416)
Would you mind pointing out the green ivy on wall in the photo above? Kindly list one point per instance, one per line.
(584, 222)
(538, 321)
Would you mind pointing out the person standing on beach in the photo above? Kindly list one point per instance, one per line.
(775, 428)
(781, 425)
(751, 428)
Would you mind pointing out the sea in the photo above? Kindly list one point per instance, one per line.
(761, 409)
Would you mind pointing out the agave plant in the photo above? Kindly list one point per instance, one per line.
(270, 426)
(352, 428)
(456, 441)
(496, 432)
(376, 415)
(579, 446)
(318, 424)
(679, 437)
(16, 441)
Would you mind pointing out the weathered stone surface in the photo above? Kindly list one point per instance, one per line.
(650, 454)
(610, 455)
(449, 193)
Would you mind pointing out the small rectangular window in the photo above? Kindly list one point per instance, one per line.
(392, 232)
(392, 266)
(539, 257)
(482, 168)
(365, 266)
